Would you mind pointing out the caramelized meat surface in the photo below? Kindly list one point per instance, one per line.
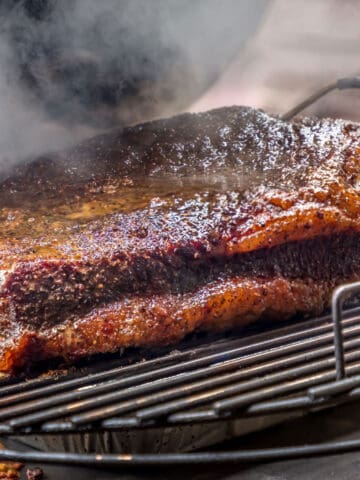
(200, 221)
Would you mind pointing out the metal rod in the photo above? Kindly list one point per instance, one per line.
(129, 460)
(187, 360)
(340, 84)
(121, 389)
(255, 388)
(240, 401)
(132, 386)
(259, 368)
(338, 299)
(156, 392)
(334, 388)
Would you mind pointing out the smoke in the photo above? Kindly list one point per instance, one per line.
(73, 68)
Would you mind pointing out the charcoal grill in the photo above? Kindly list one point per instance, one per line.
(292, 369)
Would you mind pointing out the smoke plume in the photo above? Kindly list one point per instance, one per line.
(73, 68)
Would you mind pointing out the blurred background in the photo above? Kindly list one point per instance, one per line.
(299, 47)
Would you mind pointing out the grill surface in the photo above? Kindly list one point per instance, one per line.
(304, 366)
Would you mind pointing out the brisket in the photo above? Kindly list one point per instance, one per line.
(202, 221)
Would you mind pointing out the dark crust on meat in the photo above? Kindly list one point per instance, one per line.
(80, 286)
(157, 320)
(163, 210)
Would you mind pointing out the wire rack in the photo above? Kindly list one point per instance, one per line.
(307, 366)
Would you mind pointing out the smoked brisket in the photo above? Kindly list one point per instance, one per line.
(201, 221)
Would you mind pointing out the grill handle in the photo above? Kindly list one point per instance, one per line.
(339, 296)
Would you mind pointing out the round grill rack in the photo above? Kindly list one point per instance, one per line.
(302, 367)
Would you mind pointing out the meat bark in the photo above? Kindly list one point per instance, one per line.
(133, 230)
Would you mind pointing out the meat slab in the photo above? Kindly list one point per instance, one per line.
(202, 221)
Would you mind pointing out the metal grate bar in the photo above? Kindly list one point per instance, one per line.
(209, 383)
(252, 385)
(249, 372)
(40, 414)
(243, 377)
(239, 401)
(128, 383)
(338, 298)
(171, 361)
(137, 460)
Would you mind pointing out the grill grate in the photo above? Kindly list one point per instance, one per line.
(305, 366)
